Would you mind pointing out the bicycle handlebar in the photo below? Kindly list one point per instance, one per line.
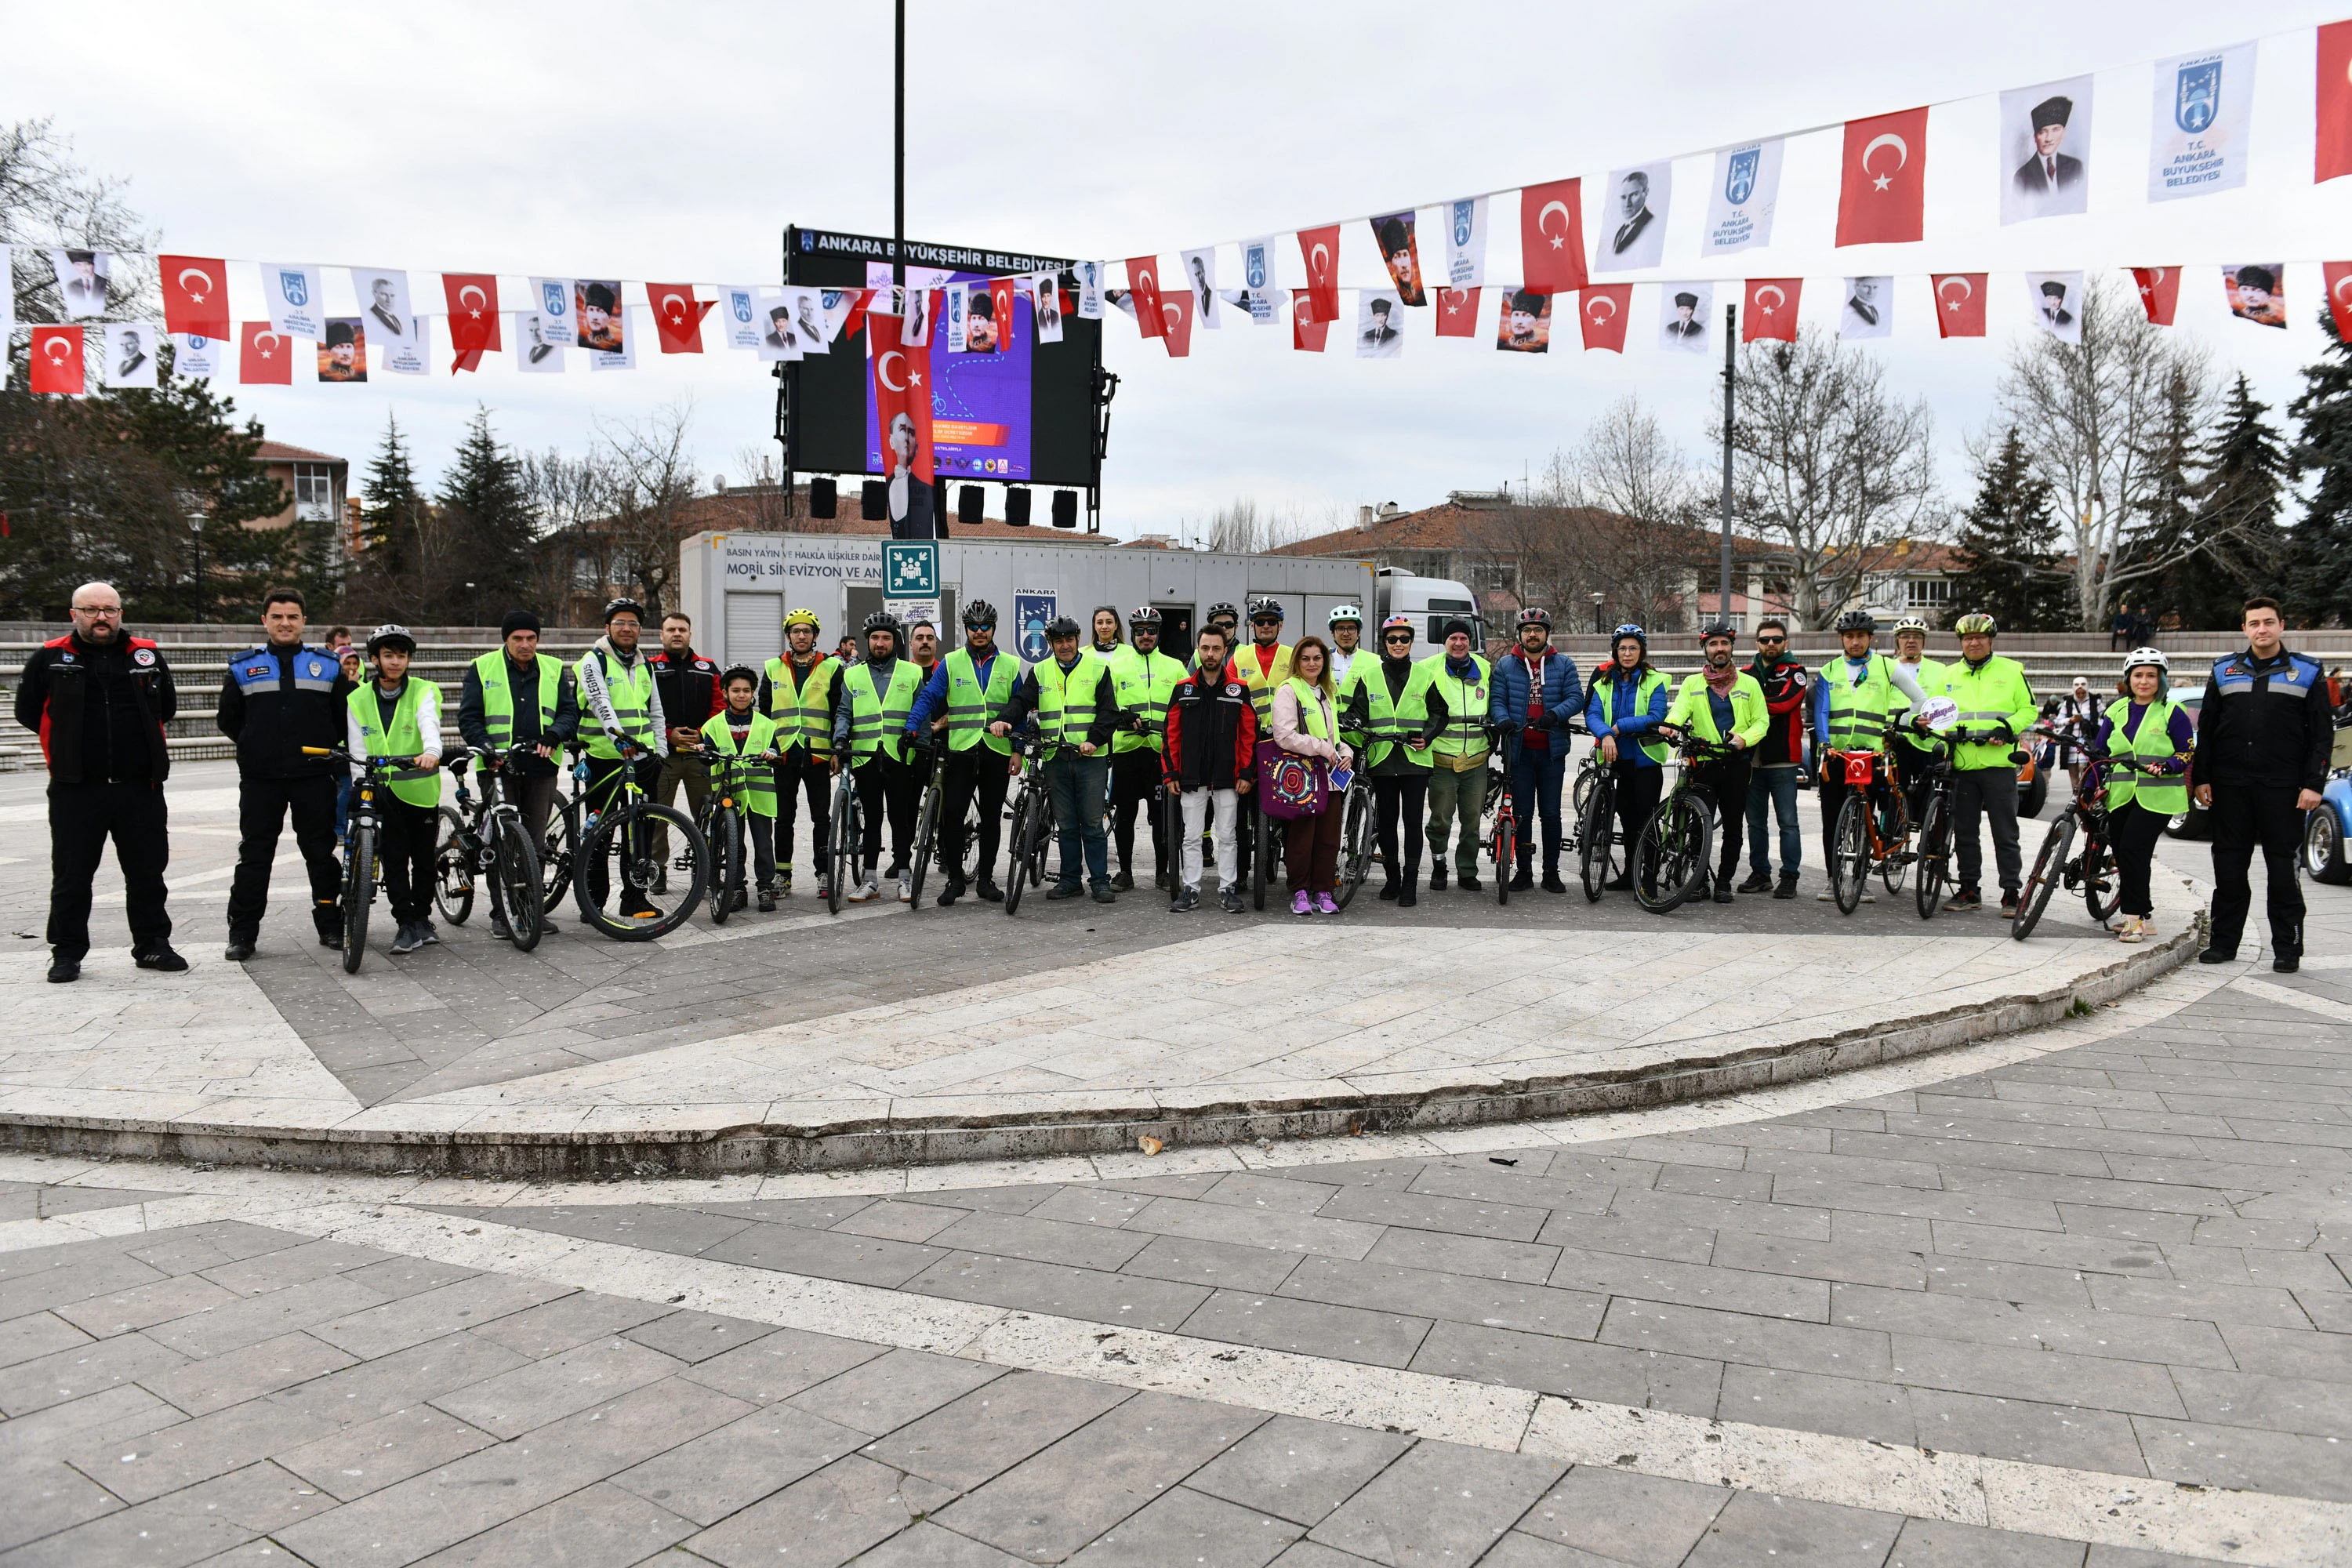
(374, 764)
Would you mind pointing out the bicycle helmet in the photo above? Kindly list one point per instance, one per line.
(1856, 621)
(1976, 623)
(1630, 630)
(739, 672)
(622, 607)
(802, 618)
(1346, 613)
(884, 621)
(1531, 616)
(1221, 612)
(1719, 629)
(1263, 608)
(1061, 626)
(1910, 624)
(2140, 656)
(397, 637)
(1397, 624)
(1144, 615)
(978, 614)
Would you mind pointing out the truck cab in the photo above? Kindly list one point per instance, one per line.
(1430, 602)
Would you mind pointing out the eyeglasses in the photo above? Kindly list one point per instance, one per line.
(1399, 637)
(98, 609)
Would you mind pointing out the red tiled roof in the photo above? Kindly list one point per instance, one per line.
(281, 452)
(1453, 526)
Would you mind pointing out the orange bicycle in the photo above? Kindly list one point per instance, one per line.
(1872, 831)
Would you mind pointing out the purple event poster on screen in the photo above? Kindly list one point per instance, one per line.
(980, 402)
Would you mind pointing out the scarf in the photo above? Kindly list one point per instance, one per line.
(1720, 683)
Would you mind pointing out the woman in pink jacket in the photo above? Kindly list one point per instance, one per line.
(1306, 719)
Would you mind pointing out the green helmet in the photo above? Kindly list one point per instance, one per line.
(1975, 623)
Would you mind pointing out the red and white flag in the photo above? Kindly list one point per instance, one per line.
(902, 413)
(1883, 187)
(473, 317)
(1176, 322)
(266, 358)
(1602, 313)
(1959, 304)
(56, 357)
(1307, 333)
(1551, 238)
(195, 295)
(1319, 248)
(844, 311)
(2337, 276)
(678, 316)
(1001, 292)
(1771, 309)
(1457, 312)
(1143, 283)
(2159, 291)
(2333, 156)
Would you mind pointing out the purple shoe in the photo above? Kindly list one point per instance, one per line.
(1298, 903)
(1324, 906)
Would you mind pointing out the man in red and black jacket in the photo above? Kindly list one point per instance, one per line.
(99, 698)
(1779, 758)
(690, 697)
(1211, 761)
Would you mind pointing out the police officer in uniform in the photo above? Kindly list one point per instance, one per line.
(277, 699)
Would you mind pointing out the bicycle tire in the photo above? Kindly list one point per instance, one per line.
(1505, 851)
(927, 827)
(359, 893)
(1895, 867)
(516, 870)
(1259, 836)
(726, 853)
(1596, 835)
(601, 840)
(1677, 837)
(840, 855)
(1356, 844)
(558, 851)
(452, 870)
(1849, 865)
(2049, 866)
(1935, 876)
(1017, 877)
(2103, 880)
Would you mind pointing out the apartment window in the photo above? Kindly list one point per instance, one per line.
(1927, 593)
(314, 493)
(584, 572)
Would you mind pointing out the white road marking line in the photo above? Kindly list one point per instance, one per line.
(2287, 995)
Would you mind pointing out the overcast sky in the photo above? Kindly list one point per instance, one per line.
(675, 143)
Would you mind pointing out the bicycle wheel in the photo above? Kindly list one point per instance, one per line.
(1935, 872)
(1581, 791)
(726, 862)
(557, 852)
(2103, 880)
(967, 866)
(1850, 853)
(452, 870)
(2049, 866)
(517, 871)
(1895, 866)
(1356, 844)
(1672, 857)
(1259, 837)
(359, 892)
(620, 856)
(1023, 868)
(1505, 849)
(841, 855)
(926, 832)
(1596, 836)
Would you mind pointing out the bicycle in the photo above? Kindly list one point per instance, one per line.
(487, 835)
(1031, 814)
(619, 843)
(927, 819)
(723, 828)
(1503, 839)
(1865, 840)
(849, 836)
(2095, 870)
(559, 847)
(1934, 837)
(1671, 858)
(362, 835)
(1596, 823)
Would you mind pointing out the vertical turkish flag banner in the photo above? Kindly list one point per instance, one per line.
(1143, 282)
(266, 356)
(678, 316)
(1306, 334)
(1883, 187)
(1176, 322)
(1959, 304)
(1602, 312)
(902, 386)
(1319, 248)
(473, 316)
(1771, 309)
(2333, 156)
(195, 295)
(2159, 291)
(57, 360)
(1001, 291)
(1551, 238)
(2337, 276)
(1457, 312)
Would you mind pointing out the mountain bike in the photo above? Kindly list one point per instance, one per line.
(1933, 839)
(1671, 860)
(364, 834)
(1596, 823)
(1031, 814)
(485, 836)
(1503, 838)
(620, 845)
(2094, 870)
(926, 817)
(1871, 828)
(723, 827)
(849, 836)
(559, 847)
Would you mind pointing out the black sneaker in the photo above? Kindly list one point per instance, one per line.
(1230, 901)
(1066, 889)
(1523, 880)
(949, 893)
(1470, 884)
(63, 970)
(405, 942)
(2009, 903)
(767, 901)
(1964, 900)
(1105, 893)
(1124, 882)
(330, 939)
(163, 960)
(501, 929)
(238, 951)
(1758, 883)
(1186, 901)
(1552, 884)
(1437, 880)
(1785, 888)
(1624, 884)
(1723, 893)
(989, 892)
(2218, 955)
(427, 937)
(637, 906)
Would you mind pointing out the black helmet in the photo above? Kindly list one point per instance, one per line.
(739, 672)
(1719, 629)
(1061, 626)
(1531, 616)
(1857, 621)
(978, 613)
(1143, 615)
(1221, 611)
(624, 607)
(1264, 606)
(393, 636)
(884, 621)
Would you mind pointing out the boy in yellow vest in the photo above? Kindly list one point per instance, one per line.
(394, 716)
(740, 729)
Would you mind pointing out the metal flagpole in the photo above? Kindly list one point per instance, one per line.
(1730, 334)
(898, 162)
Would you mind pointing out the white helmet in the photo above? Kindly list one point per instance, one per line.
(1911, 624)
(1347, 613)
(2154, 656)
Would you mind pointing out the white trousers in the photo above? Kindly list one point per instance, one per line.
(1196, 815)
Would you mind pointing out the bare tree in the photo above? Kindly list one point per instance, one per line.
(1611, 516)
(1627, 464)
(1243, 527)
(1829, 464)
(2092, 416)
(569, 496)
(651, 477)
(48, 198)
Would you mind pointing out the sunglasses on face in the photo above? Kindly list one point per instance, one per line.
(1400, 639)
(1771, 642)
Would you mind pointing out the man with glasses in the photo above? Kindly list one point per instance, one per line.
(99, 698)
(1779, 757)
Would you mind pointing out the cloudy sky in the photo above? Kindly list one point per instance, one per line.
(675, 143)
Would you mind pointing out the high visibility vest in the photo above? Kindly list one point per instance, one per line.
(802, 708)
(2166, 796)
(1310, 710)
(405, 737)
(1261, 683)
(1144, 682)
(631, 693)
(877, 720)
(498, 696)
(1858, 714)
(1749, 718)
(1614, 691)
(1068, 702)
(755, 786)
(1931, 677)
(1391, 721)
(971, 707)
(1995, 694)
(1465, 734)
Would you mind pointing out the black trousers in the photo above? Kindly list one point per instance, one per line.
(2245, 815)
(82, 818)
(1724, 782)
(2136, 829)
(887, 786)
(1637, 791)
(1400, 801)
(263, 805)
(1134, 777)
(799, 774)
(533, 795)
(982, 771)
(406, 851)
(602, 793)
(1829, 782)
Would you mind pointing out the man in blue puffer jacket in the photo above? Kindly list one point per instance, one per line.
(1534, 690)
(1629, 700)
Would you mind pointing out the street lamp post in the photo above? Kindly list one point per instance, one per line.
(1598, 626)
(196, 533)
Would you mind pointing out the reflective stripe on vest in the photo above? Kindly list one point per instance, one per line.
(1858, 714)
(2235, 677)
(1144, 682)
(2166, 796)
(754, 787)
(498, 696)
(877, 720)
(1465, 734)
(1311, 708)
(802, 709)
(1262, 683)
(1613, 690)
(1066, 700)
(971, 708)
(631, 697)
(1390, 721)
(405, 737)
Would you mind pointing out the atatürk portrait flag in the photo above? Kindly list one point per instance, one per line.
(1882, 182)
(1602, 313)
(2337, 276)
(1771, 309)
(195, 295)
(902, 415)
(1959, 304)
(266, 358)
(2159, 292)
(1319, 248)
(1143, 282)
(2332, 157)
(56, 357)
(1551, 236)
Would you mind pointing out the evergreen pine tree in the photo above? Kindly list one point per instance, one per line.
(395, 509)
(2246, 471)
(2318, 577)
(2007, 546)
(490, 526)
(2169, 530)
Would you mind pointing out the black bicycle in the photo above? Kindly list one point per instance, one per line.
(1671, 861)
(723, 827)
(849, 836)
(559, 848)
(484, 836)
(1596, 823)
(2095, 872)
(1030, 815)
(621, 850)
(363, 843)
(1932, 841)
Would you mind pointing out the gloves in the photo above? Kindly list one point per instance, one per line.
(1543, 721)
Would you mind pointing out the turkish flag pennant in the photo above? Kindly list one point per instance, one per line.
(2333, 154)
(1000, 300)
(1771, 309)
(854, 322)
(1319, 247)
(56, 357)
(1883, 191)
(2337, 276)
(1306, 334)
(1143, 282)
(678, 316)
(266, 357)
(195, 295)
(2159, 291)
(473, 317)
(1176, 322)
(902, 384)
(1602, 312)
(1551, 236)
(1457, 312)
(1959, 304)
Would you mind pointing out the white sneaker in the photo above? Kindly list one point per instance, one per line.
(868, 889)
(906, 887)
(1825, 897)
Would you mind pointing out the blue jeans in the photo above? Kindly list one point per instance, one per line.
(342, 805)
(1536, 778)
(1077, 786)
(1775, 787)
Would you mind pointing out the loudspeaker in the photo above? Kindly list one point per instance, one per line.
(970, 505)
(1066, 508)
(874, 502)
(825, 497)
(1016, 508)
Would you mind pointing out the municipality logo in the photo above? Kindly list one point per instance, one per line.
(741, 303)
(294, 285)
(550, 295)
(1740, 181)
(2199, 99)
(808, 240)
(1254, 269)
(1465, 214)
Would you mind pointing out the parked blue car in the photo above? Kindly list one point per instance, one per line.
(2328, 827)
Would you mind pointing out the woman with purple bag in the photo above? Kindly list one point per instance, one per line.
(1305, 721)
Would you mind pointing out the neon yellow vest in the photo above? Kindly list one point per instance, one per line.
(972, 708)
(1067, 703)
(1261, 686)
(498, 696)
(1391, 722)
(2166, 796)
(405, 737)
(632, 696)
(1858, 714)
(1144, 682)
(802, 708)
(1465, 734)
(754, 786)
(1612, 692)
(877, 720)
